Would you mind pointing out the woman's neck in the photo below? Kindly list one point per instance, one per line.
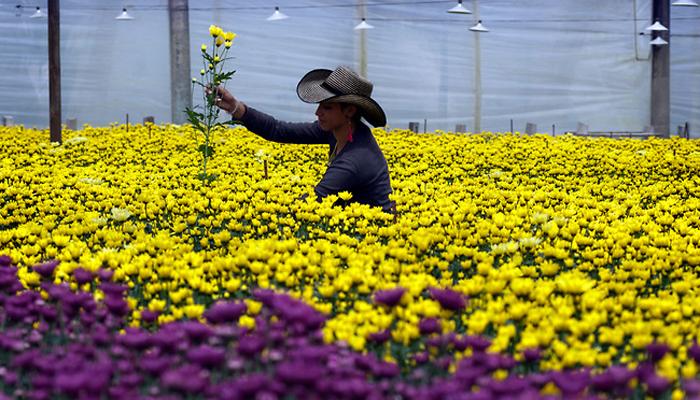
(341, 136)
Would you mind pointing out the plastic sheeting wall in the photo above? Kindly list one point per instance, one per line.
(544, 61)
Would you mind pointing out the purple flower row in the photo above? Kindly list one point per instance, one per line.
(68, 344)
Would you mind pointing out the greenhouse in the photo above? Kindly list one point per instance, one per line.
(368, 199)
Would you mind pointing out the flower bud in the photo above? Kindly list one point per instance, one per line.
(228, 45)
(204, 47)
(213, 30)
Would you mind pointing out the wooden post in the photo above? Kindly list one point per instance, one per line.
(414, 126)
(660, 72)
(54, 71)
(180, 78)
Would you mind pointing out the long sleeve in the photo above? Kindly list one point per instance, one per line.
(269, 128)
(340, 176)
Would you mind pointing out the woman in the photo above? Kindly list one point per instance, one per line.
(355, 162)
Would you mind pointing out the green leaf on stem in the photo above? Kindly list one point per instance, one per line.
(207, 151)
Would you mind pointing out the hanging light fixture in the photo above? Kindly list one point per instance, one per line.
(277, 15)
(459, 9)
(363, 25)
(657, 27)
(658, 42)
(124, 16)
(478, 28)
(38, 13)
(685, 3)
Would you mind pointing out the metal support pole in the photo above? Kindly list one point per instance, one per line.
(180, 77)
(54, 71)
(660, 72)
(477, 73)
(362, 13)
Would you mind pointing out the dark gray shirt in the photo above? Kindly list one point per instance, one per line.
(360, 168)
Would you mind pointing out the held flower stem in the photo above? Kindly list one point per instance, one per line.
(212, 76)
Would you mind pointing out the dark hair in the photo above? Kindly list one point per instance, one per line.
(358, 111)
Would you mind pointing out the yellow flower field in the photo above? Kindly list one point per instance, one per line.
(587, 249)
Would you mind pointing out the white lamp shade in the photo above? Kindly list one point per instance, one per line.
(277, 15)
(459, 9)
(38, 14)
(657, 27)
(478, 28)
(658, 42)
(685, 3)
(124, 16)
(363, 25)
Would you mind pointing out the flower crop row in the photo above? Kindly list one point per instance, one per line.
(65, 344)
(585, 251)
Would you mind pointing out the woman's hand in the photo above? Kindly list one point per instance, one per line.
(225, 101)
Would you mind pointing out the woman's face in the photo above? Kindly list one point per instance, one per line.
(331, 116)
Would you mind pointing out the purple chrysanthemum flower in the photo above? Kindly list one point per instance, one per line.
(149, 316)
(207, 356)
(694, 352)
(448, 299)
(380, 337)
(532, 354)
(656, 385)
(422, 357)
(196, 331)
(691, 387)
(46, 269)
(657, 351)
(389, 297)
(105, 275)
(187, 379)
(154, 364)
(250, 345)
(298, 373)
(5, 261)
(571, 383)
(135, 339)
(428, 326)
(116, 305)
(478, 343)
(82, 276)
(225, 311)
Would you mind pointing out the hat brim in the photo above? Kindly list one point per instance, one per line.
(311, 90)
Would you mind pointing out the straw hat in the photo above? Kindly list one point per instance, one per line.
(341, 86)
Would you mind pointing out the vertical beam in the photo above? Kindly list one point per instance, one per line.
(362, 13)
(54, 71)
(180, 77)
(660, 72)
(477, 73)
